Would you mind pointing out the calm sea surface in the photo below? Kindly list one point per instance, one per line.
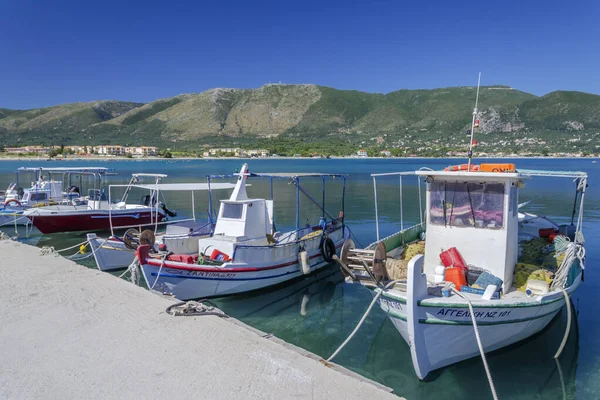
(318, 312)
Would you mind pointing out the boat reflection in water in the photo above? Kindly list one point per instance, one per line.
(319, 311)
(303, 297)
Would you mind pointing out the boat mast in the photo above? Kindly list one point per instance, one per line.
(470, 152)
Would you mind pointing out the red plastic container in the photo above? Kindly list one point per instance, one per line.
(457, 276)
(453, 258)
(219, 256)
(546, 232)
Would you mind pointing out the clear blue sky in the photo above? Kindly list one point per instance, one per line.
(66, 51)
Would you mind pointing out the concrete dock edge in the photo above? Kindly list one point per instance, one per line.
(68, 331)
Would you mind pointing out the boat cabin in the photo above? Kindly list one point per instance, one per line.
(476, 212)
(42, 192)
(240, 220)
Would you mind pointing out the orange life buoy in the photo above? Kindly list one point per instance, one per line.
(462, 167)
(9, 201)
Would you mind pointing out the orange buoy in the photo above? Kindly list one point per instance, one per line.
(462, 167)
(497, 167)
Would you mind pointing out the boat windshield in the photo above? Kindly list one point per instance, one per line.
(467, 204)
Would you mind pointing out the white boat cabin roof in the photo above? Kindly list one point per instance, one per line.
(185, 187)
(66, 169)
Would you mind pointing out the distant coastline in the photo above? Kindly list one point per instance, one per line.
(108, 159)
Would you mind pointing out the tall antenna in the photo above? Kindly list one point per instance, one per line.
(475, 111)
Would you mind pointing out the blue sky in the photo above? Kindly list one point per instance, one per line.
(57, 52)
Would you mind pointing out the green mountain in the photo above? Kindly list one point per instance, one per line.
(282, 115)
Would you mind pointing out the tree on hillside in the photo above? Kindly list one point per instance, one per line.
(53, 153)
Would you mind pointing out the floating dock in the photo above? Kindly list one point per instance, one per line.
(68, 331)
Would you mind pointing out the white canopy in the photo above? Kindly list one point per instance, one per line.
(66, 169)
(184, 186)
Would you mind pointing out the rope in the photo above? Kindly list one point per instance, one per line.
(84, 256)
(162, 264)
(72, 247)
(194, 308)
(568, 329)
(4, 236)
(335, 353)
(48, 250)
(573, 250)
(483, 358)
(133, 269)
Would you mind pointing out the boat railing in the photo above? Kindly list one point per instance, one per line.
(401, 238)
(275, 251)
(400, 175)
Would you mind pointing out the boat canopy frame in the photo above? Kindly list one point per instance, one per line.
(67, 172)
(293, 178)
(155, 189)
(580, 179)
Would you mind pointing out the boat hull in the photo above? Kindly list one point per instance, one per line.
(13, 218)
(92, 220)
(441, 333)
(198, 283)
(189, 281)
(451, 340)
(112, 254)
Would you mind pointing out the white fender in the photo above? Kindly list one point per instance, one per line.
(303, 256)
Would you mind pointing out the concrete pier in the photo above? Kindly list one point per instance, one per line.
(70, 332)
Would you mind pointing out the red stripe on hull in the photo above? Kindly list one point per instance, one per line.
(192, 267)
(89, 222)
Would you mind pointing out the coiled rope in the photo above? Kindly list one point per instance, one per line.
(479, 344)
(194, 308)
(364, 317)
(572, 251)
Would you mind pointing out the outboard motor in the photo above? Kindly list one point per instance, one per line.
(148, 200)
(167, 211)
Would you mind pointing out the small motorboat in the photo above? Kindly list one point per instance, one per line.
(98, 212)
(48, 188)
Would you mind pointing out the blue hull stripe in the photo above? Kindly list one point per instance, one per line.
(163, 275)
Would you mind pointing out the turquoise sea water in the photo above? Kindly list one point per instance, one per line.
(318, 312)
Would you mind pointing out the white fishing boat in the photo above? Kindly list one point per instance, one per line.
(245, 251)
(181, 236)
(48, 188)
(98, 212)
(475, 275)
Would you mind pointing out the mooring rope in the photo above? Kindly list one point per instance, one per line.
(364, 317)
(568, 328)
(162, 264)
(479, 344)
(133, 268)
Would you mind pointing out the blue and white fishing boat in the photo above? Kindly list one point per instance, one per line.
(245, 251)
